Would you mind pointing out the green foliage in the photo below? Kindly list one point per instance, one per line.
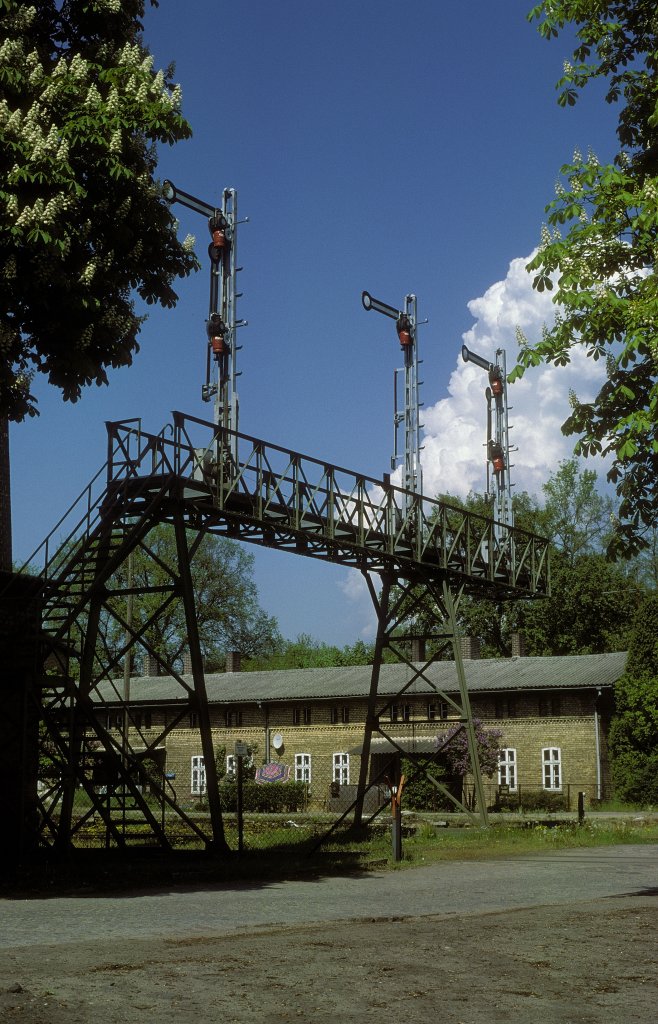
(634, 728)
(83, 221)
(266, 798)
(643, 649)
(420, 794)
(575, 517)
(589, 612)
(531, 799)
(306, 652)
(228, 613)
(598, 254)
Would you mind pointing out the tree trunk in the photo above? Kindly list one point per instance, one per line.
(5, 497)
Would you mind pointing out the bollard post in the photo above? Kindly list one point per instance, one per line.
(396, 823)
(241, 751)
(581, 808)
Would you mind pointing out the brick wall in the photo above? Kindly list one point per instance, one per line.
(527, 732)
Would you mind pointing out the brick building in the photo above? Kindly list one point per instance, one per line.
(554, 714)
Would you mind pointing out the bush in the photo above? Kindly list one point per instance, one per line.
(420, 794)
(267, 798)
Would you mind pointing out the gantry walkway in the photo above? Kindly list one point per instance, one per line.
(265, 494)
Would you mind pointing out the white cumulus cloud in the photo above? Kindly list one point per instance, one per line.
(454, 458)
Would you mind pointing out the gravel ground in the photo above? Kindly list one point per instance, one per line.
(569, 937)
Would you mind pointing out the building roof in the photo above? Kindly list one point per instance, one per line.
(581, 671)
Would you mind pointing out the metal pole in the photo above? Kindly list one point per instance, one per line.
(466, 705)
(240, 805)
(205, 729)
(126, 682)
(381, 608)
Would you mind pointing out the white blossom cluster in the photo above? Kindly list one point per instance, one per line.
(38, 133)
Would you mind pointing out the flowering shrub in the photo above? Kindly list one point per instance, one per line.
(454, 745)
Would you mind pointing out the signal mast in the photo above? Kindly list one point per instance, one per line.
(499, 487)
(222, 323)
(406, 324)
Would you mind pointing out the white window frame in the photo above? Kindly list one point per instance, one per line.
(198, 775)
(341, 768)
(231, 764)
(302, 767)
(551, 765)
(507, 768)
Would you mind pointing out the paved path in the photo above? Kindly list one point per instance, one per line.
(449, 888)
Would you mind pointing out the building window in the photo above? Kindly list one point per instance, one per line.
(552, 767)
(194, 720)
(302, 767)
(507, 768)
(300, 715)
(142, 719)
(113, 720)
(198, 776)
(400, 712)
(233, 717)
(340, 715)
(549, 707)
(341, 771)
(437, 709)
(505, 707)
(231, 764)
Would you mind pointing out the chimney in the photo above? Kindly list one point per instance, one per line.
(418, 648)
(470, 647)
(150, 666)
(233, 661)
(518, 645)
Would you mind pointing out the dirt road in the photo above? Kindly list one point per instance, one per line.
(569, 937)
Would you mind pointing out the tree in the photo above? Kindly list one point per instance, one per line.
(229, 615)
(598, 252)
(83, 223)
(306, 652)
(634, 728)
(575, 517)
(590, 609)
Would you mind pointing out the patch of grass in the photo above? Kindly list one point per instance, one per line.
(282, 851)
(504, 840)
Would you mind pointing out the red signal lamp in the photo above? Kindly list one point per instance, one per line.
(496, 382)
(403, 327)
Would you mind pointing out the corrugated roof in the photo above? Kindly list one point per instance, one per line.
(494, 674)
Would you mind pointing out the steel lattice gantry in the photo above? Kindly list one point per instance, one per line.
(202, 478)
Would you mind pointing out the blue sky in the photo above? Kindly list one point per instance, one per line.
(394, 147)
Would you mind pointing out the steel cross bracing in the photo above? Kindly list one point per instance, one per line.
(188, 477)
